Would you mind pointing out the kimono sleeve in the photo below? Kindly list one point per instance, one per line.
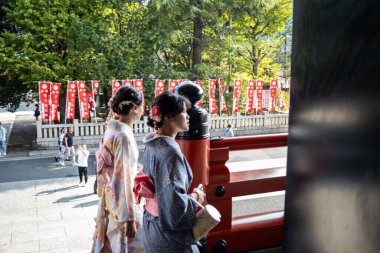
(176, 208)
(123, 170)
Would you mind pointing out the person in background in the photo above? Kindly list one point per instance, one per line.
(37, 112)
(229, 132)
(83, 155)
(3, 138)
(62, 148)
(69, 145)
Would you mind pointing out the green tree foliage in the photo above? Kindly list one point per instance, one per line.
(61, 40)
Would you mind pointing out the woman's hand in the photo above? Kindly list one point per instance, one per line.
(131, 229)
(198, 195)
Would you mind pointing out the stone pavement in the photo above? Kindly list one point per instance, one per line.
(57, 215)
(50, 215)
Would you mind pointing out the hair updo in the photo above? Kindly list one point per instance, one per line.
(166, 105)
(125, 98)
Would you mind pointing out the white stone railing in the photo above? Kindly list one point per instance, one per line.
(241, 121)
(90, 133)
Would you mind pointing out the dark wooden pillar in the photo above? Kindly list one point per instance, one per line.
(333, 179)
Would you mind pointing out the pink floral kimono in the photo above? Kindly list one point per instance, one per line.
(117, 166)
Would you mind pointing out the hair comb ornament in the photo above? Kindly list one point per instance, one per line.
(124, 103)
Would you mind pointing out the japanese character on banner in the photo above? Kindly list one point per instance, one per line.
(237, 91)
(222, 101)
(115, 86)
(172, 85)
(259, 93)
(138, 83)
(83, 100)
(212, 100)
(250, 96)
(55, 89)
(273, 89)
(200, 84)
(127, 82)
(159, 87)
(44, 95)
(70, 99)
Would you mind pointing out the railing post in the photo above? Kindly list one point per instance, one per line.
(209, 120)
(266, 119)
(39, 129)
(238, 120)
(195, 143)
(146, 127)
(76, 127)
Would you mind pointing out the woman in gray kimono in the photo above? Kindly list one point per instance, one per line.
(168, 222)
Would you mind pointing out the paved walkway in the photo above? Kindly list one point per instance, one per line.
(56, 215)
(51, 215)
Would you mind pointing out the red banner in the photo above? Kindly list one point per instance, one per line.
(95, 88)
(211, 95)
(55, 89)
(273, 89)
(259, 92)
(250, 91)
(70, 99)
(181, 81)
(159, 87)
(172, 85)
(222, 101)
(201, 85)
(237, 91)
(139, 85)
(115, 86)
(44, 93)
(83, 100)
(127, 82)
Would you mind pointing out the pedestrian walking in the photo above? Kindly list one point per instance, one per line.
(168, 221)
(119, 217)
(83, 155)
(3, 138)
(229, 132)
(62, 148)
(69, 145)
(37, 111)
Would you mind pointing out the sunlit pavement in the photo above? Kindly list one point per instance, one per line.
(57, 215)
(49, 215)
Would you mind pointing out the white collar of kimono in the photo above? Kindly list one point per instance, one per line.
(117, 123)
(152, 136)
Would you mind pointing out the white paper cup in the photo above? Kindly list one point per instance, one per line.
(206, 220)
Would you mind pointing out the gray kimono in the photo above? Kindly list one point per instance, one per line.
(171, 232)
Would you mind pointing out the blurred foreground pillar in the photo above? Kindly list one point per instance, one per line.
(333, 178)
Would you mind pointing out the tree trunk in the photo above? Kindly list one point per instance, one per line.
(255, 61)
(255, 68)
(197, 43)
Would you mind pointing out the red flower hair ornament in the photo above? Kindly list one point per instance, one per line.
(155, 114)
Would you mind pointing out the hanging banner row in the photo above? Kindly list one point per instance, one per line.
(49, 99)
(256, 97)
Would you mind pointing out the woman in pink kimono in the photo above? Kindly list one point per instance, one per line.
(119, 218)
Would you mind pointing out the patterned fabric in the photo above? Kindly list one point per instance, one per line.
(171, 231)
(116, 205)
